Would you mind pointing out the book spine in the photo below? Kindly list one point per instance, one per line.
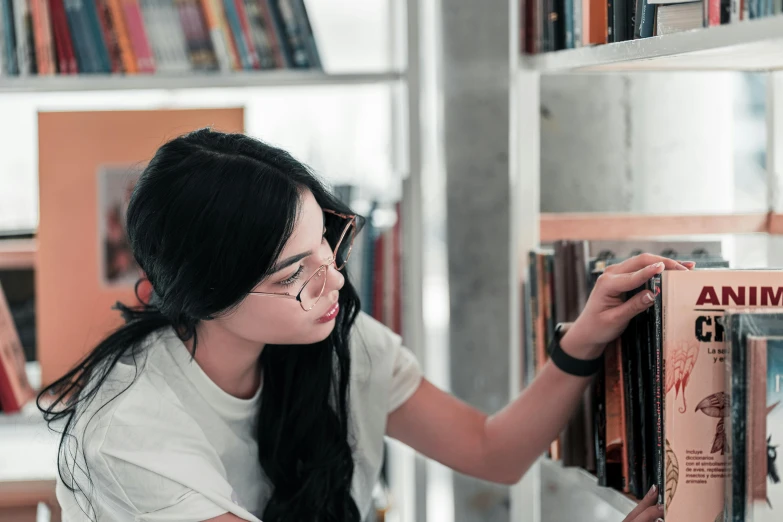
(9, 38)
(127, 58)
(725, 11)
(83, 64)
(3, 55)
(20, 30)
(142, 49)
(39, 37)
(645, 19)
(110, 36)
(631, 412)
(62, 59)
(276, 35)
(49, 41)
(578, 4)
(247, 35)
(303, 21)
(67, 37)
(600, 426)
(610, 29)
(659, 451)
(217, 36)
(266, 56)
(96, 37)
(714, 12)
(236, 30)
(568, 15)
(736, 11)
(284, 17)
(619, 20)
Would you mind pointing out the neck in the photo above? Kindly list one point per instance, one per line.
(229, 360)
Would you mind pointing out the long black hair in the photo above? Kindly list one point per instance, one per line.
(206, 222)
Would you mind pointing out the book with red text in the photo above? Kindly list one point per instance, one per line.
(696, 404)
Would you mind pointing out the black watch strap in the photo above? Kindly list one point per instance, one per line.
(569, 364)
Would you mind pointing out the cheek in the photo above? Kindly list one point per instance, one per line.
(273, 321)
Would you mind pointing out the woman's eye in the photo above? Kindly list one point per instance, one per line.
(294, 278)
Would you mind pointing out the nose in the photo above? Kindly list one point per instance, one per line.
(334, 279)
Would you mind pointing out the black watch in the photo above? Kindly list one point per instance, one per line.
(569, 364)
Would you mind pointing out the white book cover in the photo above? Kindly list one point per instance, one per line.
(22, 56)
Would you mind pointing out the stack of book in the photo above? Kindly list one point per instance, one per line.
(552, 25)
(48, 37)
(687, 396)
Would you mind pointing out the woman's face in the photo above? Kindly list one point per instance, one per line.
(273, 320)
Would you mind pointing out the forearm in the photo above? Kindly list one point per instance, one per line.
(517, 435)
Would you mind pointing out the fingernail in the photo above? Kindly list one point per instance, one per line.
(658, 520)
(681, 267)
(653, 489)
(648, 298)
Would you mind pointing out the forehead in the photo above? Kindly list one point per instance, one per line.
(308, 228)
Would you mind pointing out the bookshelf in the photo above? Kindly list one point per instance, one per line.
(753, 45)
(748, 46)
(17, 253)
(623, 226)
(193, 80)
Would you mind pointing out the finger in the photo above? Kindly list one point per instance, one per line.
(651, 514)
(647, 502)
(638, 262)
(632, 307)
(689, 264)
(616, 284)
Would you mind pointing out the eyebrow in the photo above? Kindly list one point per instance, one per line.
(285, 263)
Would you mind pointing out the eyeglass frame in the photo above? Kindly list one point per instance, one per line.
(332, 260)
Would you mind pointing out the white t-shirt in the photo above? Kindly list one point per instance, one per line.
(176, 447)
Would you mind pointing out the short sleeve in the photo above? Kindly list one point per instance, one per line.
(406, 377)
(389, 361)
(154, 464)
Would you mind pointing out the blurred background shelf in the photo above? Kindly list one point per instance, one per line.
(17, 253)
(272, 78)
(555, 226)
(754, 45)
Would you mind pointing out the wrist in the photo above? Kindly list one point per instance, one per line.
(573, 344)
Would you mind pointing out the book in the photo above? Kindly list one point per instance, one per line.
(15, 389)
(696, 399)
(745, 380)
(765, 416)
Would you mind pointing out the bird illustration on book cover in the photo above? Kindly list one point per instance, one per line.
(717, 406)
(681, 359)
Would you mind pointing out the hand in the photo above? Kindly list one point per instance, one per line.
(647, 510)
(606, 314)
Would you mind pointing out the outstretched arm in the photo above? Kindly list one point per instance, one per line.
(501, 447)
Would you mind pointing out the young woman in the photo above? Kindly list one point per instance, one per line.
(251, 387)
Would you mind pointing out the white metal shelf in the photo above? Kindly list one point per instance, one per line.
(563, 482)
(193, 80)
(754, 45)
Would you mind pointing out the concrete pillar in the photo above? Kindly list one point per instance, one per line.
(475, 90)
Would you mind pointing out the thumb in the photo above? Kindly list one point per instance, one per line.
(634, 306)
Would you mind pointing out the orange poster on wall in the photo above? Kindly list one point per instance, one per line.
(87, 165)
(15, 390)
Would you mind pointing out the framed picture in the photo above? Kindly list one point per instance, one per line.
(115, 186)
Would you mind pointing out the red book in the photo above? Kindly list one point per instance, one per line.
(138, 36)
(15, 390)
(61, 26)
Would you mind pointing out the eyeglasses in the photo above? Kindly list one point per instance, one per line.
(312, 289)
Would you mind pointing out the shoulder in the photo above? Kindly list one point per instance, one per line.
(135, 449)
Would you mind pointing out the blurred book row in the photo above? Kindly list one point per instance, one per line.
(552, 25)
(48, 37)
(689, 396)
